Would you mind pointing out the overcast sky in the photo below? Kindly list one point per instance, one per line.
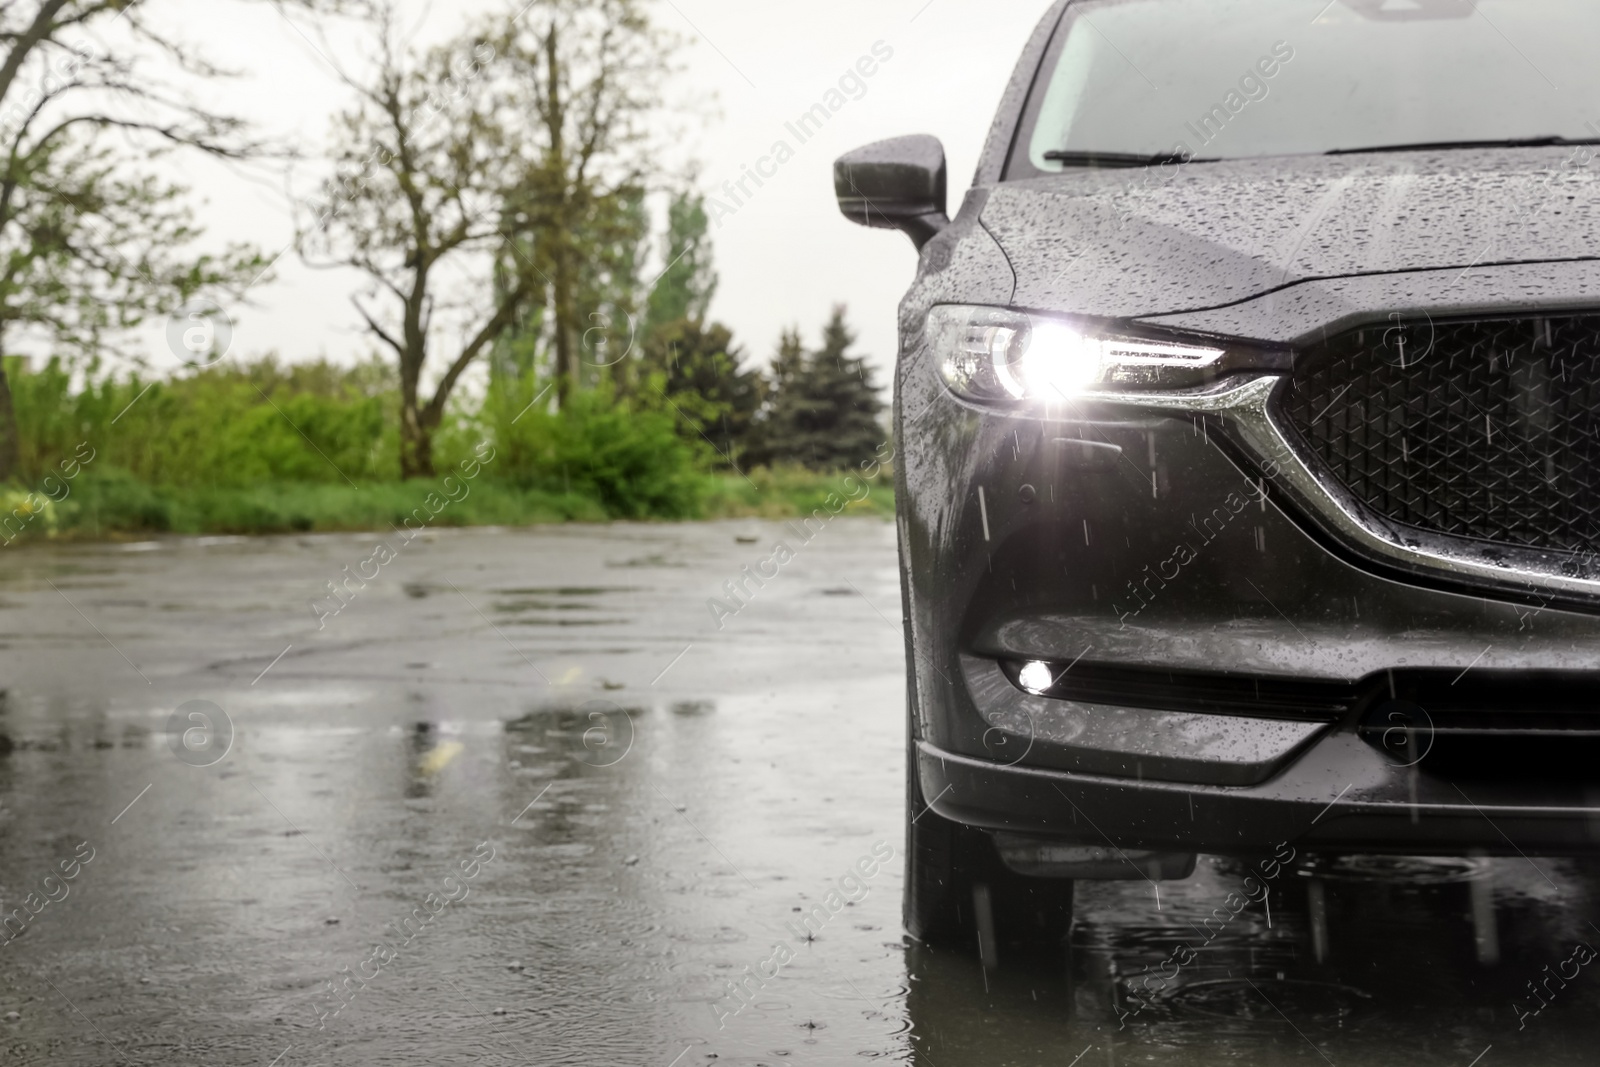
(785, 257)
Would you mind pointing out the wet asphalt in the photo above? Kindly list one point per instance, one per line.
(519, 799)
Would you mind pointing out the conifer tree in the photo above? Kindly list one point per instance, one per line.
(825, 408)
(697, 367)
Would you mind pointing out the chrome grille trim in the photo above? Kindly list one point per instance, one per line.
(1245, 407)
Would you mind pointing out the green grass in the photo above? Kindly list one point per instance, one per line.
(787, 492)
(265, 448)
(120, 506)
(112, 505)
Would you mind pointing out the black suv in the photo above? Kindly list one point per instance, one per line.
(1249, 422)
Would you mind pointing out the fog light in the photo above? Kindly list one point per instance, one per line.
(1035, 677)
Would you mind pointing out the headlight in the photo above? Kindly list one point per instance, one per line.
(991, 354)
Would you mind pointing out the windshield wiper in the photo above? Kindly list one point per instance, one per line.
(1522, 142)
(1074, 158)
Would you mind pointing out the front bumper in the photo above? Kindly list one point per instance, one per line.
(1138, 540)
(1341, 797)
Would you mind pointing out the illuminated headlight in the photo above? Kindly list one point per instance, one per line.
(991, 354)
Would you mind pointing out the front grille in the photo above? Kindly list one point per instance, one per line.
(1484, 429)
(1536, 726)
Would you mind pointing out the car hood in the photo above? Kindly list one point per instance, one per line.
(1133, 243)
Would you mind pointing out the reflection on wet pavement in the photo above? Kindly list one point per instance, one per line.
(449, 828)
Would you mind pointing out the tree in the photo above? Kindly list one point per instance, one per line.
(688, 281)
(824, 408)
(606, 304)
(696, 367)
(88, 246)
(788, 363)
(608, 286)
(588, 75)
(426, 171)
(488, 179)
(782, 378)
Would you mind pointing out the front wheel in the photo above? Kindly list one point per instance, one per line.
(960, 894)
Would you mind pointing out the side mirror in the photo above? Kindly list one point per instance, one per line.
(899, 184)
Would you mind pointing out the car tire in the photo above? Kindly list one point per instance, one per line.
(952, 870)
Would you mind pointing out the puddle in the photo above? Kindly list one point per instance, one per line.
(568, 622)
(573, 590)
(1265, 999)
(1397, 870)
(513, 606)
(647, 851)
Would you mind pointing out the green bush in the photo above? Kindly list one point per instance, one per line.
(262, 448)
(234, 427)
(623, 453)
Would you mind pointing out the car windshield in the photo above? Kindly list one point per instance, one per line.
(1128, 80)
